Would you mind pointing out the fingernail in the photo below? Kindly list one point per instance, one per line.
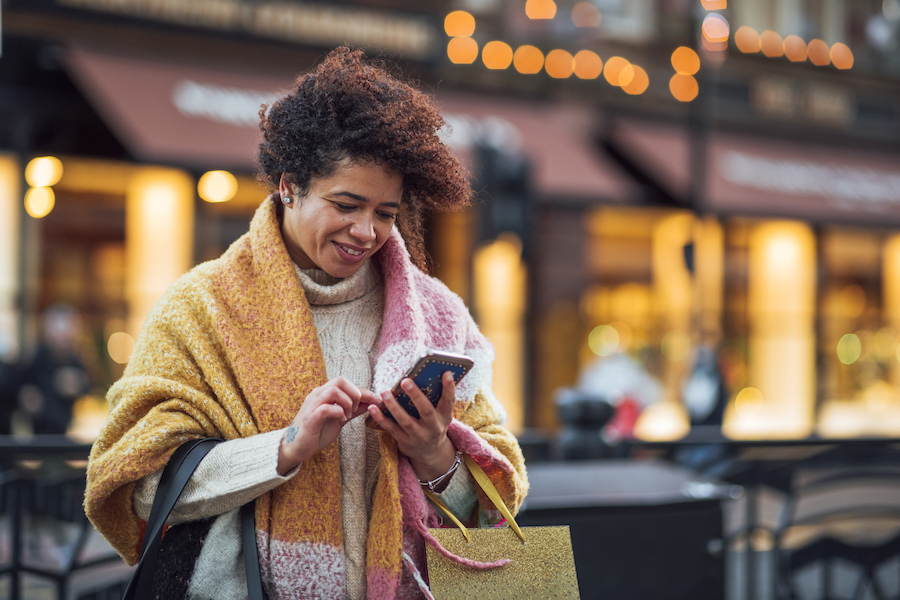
(407, 384)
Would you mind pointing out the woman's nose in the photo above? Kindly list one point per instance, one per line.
(363, 228)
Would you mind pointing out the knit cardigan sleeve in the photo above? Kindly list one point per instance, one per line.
(177, 387)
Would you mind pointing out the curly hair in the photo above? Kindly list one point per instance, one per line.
(349, 108)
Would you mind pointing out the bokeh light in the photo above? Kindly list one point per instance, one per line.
(613, 69)
(540, 9)
(771, 44)
(588, 65)
(43, 171)
(747, 40)
(462, 50)
(685, 60)
(585, 14)
(639, 83)
(715, 28)
(604, 340)
(819, 53)
(684, 88)
(497, 55)
(841, 56)
(714, 4)
(626, 75)
(39, 201)
(459, 23)
(559, 64)
(528, 60)
(795, 48)
(217, 186)
(849, 348)
(120, 346)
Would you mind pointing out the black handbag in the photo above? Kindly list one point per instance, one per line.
(174, 478)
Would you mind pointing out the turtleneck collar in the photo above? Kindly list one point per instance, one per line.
(321, 288)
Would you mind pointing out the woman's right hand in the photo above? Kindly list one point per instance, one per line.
(319, 421)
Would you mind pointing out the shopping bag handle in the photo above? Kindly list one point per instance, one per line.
(485, 483)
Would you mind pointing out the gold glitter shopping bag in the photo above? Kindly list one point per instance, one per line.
(542, 566)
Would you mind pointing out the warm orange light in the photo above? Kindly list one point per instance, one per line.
(771, 44)
(217, 186)
(613, 69)
(528, 60)
(685, 61)
(39, 201)
(626, 75)
(715, 28)
(714, 4)
(747, 40)
(497, 55)
(588, 65)
(540, 9)
(585, 14)
(683, 87)
(795, 48)
(819, 53)
(462, 50)
(43, 171)
(559, 64)
(459, 23)
(639, 83)
(841, 56)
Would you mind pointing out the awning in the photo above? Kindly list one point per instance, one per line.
(567, 165)
(174, 113)
(757, 176)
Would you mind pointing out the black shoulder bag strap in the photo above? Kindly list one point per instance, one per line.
(174, 478)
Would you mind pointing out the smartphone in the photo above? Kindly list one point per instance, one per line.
(426, 374)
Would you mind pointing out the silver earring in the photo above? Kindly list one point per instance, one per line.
(286, 200)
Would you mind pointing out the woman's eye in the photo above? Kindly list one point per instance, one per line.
(387, 216)
(344, 207)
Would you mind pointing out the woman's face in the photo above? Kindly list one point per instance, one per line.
(344, 219)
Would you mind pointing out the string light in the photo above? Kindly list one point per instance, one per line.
(685, 61)
(771, 44)
(841, 56)
(588, 65)
(795, 48)
(819, 53)
(497, 55)
(613, 69)
(559, 64)
(528, 60)
(540, 9)
(639, 82)
(684, 88)
(747, 40)
(462, 50)
(459, 23)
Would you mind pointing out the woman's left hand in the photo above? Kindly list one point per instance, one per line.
(424, 440)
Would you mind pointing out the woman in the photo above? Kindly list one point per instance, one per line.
(276, 347)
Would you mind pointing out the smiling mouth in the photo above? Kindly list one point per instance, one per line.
(350, 251)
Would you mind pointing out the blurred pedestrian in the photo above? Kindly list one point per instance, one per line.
(55, 376)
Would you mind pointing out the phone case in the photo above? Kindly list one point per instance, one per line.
(426, 374)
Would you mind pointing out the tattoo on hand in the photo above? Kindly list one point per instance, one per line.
(290, 434)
